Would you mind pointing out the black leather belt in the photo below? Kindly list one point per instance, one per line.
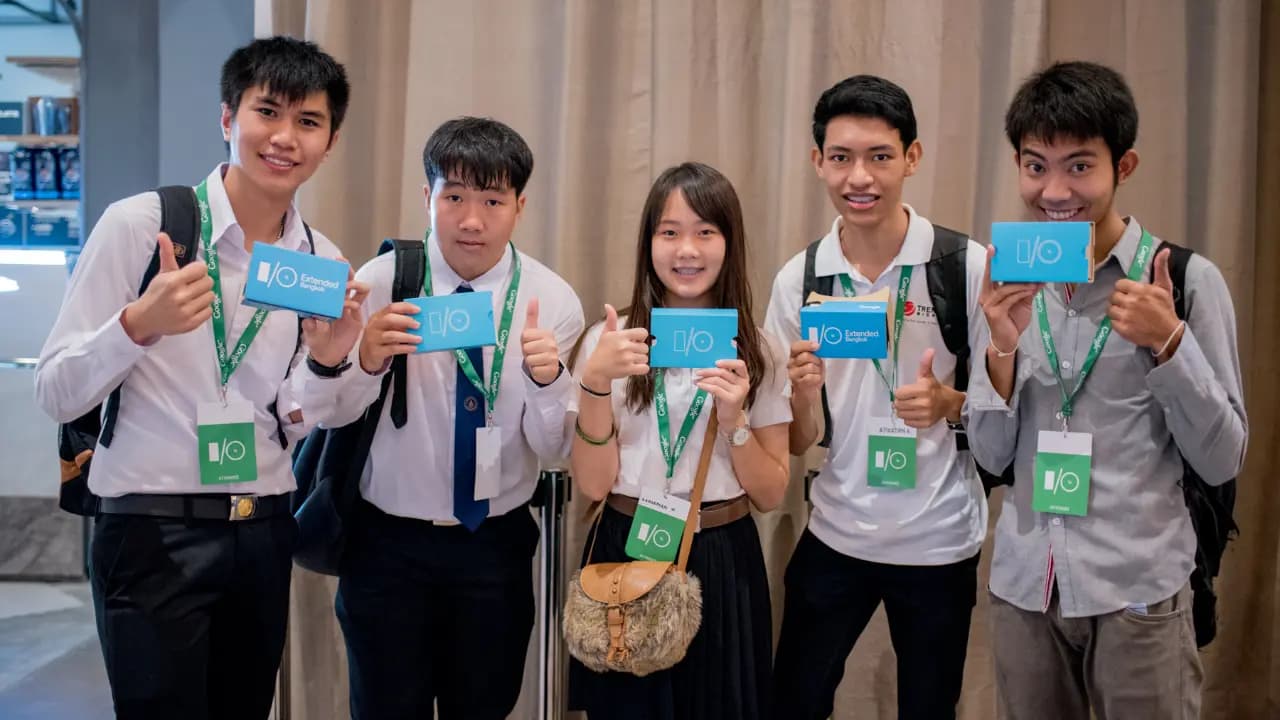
(198, 507)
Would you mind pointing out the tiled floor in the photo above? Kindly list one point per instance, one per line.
(50, 664)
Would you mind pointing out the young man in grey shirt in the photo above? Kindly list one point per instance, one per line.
(1095, 407)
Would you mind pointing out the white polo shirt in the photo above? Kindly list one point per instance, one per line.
(944, 518)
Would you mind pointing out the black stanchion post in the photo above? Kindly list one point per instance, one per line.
(550, 499)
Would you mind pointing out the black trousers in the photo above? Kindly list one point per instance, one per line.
(436, 614)
(830, 598)
(191, 614)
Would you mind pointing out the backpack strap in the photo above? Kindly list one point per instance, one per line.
(180, 219)
(948, 281)
(824, 285)
(297, 345)
(410, 269)
(1178, 258)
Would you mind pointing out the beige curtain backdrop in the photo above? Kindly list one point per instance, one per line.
(610, 92)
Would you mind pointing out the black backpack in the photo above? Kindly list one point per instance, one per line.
(948, 282)
(180, 218)
(1211, 506)
(329, 462)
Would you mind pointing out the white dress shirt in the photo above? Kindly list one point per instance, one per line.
(88, 354)
(944, 518)
(640, 461)
(410, 469)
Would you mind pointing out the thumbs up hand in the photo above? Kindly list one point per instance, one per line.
(541, 353)
(1144, 313)
(619, 354)
(925, 402)
(178, 300)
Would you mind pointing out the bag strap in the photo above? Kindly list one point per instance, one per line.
(695, 497)
(180, 219)
(948, 282)
(824, 285)
(410, 268)
(297, 345)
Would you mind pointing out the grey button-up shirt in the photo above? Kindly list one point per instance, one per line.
(1136, 544)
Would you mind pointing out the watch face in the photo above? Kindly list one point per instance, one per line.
(741, 436)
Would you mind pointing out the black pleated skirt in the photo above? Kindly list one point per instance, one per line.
(727, 673)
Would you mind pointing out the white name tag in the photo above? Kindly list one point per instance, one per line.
(488, 462)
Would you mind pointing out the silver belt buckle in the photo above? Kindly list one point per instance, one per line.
(243, 507)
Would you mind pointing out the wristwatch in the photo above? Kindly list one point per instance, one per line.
(327, 371)
(740, 433)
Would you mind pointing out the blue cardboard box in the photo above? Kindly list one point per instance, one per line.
(458, 320)
(307, 284)
(11, 118)
(692, 338)
(1035, 252)
(847, 328)
(52, 228)
(13, 225)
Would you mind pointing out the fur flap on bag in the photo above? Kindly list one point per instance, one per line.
(656, 627)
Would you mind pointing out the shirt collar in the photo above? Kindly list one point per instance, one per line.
(917, 247)
(1126, 248)
(445, 280)
(225, 223)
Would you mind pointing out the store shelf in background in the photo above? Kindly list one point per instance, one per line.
(41, 139)
(57, 68)
(59, 204)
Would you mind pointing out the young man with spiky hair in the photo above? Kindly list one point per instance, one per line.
(1097, 393)
(190, 574)
(435, 595)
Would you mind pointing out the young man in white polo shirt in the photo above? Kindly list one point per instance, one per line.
(909, 540)
(435, 595)
(190, 575)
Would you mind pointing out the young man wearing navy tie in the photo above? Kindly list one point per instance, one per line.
(436, 590)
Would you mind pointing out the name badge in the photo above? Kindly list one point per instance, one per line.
(1063, 463)
(457, 321)
(1034, 252)
(658, 527)
(488, 462)
(692, 338)
(225, 439)
(891, 455)
(307, 284)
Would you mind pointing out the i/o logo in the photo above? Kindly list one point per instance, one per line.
(653, 535)
(277, 275)
(448, 321)
(226, 451)
(692, 340)
(890, 460)
(832, 335)
(1056, 481)
(1041, 251)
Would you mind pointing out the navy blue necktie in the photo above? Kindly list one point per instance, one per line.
(468, 416)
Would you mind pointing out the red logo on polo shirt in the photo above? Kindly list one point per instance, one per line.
(909, 309)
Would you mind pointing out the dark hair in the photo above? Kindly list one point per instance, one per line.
(480, 152)
(866, 96)
(1077, 100)
(289, 68)
(712, 197)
